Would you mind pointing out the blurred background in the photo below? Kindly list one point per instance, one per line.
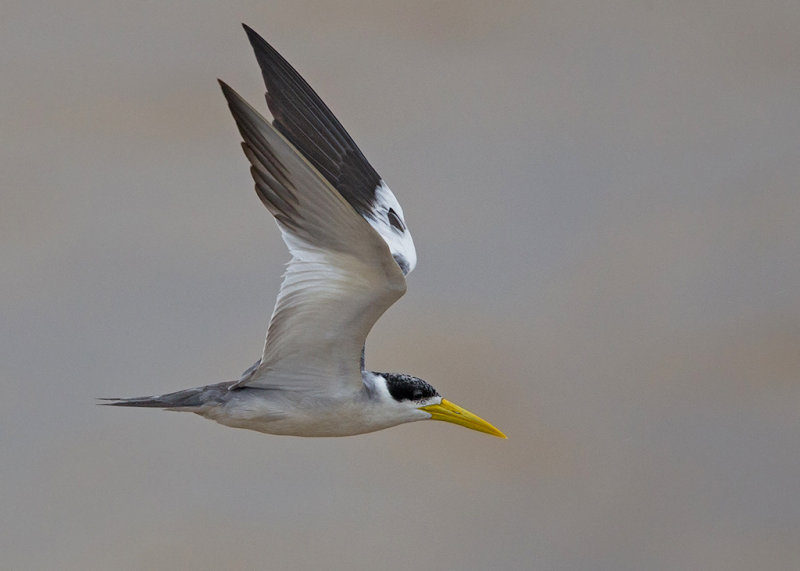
(605, 202)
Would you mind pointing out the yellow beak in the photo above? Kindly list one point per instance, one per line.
(450, 412)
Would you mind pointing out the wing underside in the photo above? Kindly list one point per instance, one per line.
(341, 277)
(310, 126)
(304, 119)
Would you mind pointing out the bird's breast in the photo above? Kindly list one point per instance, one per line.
(278, 412)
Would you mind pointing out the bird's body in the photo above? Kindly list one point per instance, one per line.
(365, 409)
(351, 250)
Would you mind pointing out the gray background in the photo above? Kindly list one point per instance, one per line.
(605, 202)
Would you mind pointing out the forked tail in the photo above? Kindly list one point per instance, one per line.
(187, 399)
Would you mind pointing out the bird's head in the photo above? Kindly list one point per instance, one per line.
(421, 398)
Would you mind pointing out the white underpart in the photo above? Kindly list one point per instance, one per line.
(298, 414)
(400, 242)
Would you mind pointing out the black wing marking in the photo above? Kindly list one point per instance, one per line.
(340, 280)
(301, 116)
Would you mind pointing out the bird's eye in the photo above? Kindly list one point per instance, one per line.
(394, 219)
(417, 395)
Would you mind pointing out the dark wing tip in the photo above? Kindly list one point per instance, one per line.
(238, 106)
(251, 33)
(260, 45)
(254, 37)
(301, 116)
(230, 95)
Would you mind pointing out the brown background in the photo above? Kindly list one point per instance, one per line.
(605, 202)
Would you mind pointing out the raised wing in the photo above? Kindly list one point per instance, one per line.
(341, 277)
(307, 123)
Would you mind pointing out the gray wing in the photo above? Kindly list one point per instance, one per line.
(341, 277)
(304, 119)
(307, 123)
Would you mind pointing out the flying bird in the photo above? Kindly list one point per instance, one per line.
(350, 252)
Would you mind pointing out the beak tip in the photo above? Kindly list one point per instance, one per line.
(451, 412)
(497, 433)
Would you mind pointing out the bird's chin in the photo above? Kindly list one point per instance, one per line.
(450, 412)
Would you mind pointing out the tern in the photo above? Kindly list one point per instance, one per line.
(350, 252)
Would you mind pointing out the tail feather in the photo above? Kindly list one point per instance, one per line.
(179, 400)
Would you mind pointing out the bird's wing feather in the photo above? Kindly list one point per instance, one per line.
(341, 277)
(303, 118)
